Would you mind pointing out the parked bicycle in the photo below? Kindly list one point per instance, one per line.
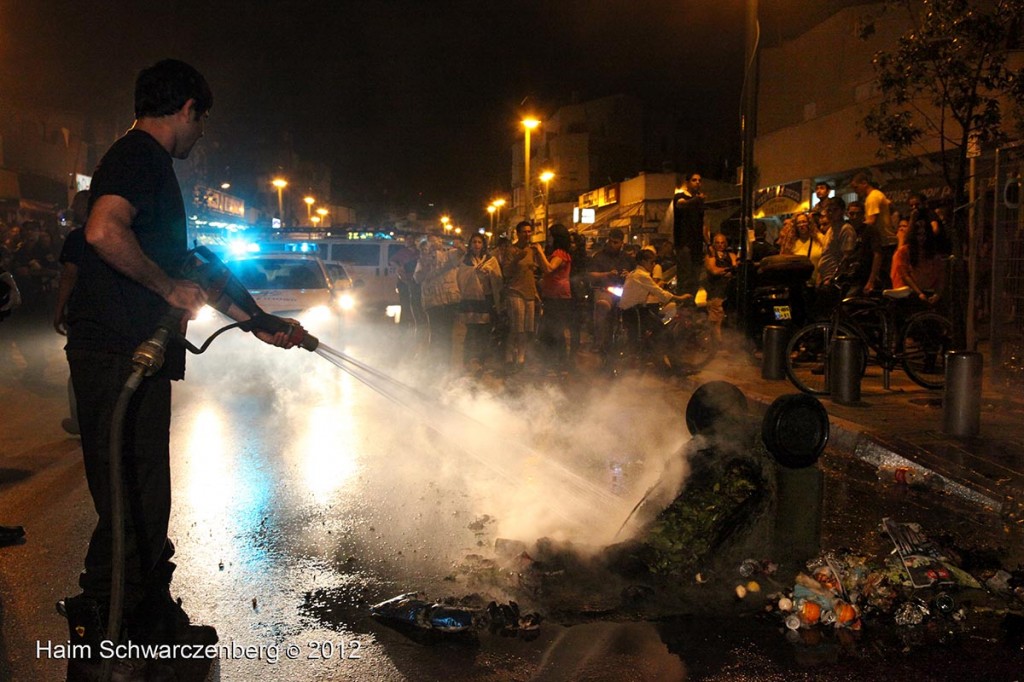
(681, 341)
(891, 335)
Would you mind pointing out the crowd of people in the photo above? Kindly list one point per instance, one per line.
(518, 298)
(866, 246)
(31, 253)
(513, 298)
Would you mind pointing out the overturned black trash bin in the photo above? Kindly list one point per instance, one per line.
(717, 407)
(795, 431)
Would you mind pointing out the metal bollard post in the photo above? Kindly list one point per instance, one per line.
(773, 348)
(844, 365)
(795, 431)
(961, 402)
(800, 501)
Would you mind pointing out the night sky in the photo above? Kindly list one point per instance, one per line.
(408, 101)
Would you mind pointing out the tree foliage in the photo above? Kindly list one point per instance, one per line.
(947, 75)
(946, 81)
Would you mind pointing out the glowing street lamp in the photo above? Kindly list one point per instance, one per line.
(280, 184)
(322, 212)
(529, 124)
(491, 209)
(546, 177)
(309, 207)
(497, 203)
(315, 220)
(225, 185)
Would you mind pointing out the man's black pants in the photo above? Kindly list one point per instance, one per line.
(98, 379)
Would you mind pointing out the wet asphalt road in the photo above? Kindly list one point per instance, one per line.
(302, 496)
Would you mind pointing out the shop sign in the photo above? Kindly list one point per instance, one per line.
(215, 200)
(788, 198)
(603, 196)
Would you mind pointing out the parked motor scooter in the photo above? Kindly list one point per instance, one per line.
(779, 294)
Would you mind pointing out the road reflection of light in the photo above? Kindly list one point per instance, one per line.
(328, 451)
(209, 484)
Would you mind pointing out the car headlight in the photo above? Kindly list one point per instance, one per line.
(346, 301)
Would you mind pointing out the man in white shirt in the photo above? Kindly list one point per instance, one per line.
(641, 296)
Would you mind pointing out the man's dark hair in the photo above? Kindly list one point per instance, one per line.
(858, 204)
(823, 183)
(861, 177)
(616, 233)
(163, 89)
(523, 223)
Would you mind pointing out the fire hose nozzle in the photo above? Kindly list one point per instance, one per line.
(272, 324)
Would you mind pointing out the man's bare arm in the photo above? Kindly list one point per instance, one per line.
(109, 232)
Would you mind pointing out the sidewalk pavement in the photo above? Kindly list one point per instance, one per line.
(902, 427)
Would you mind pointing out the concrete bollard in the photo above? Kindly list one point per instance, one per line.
(844, 367)
(773, 348)
(961, 402)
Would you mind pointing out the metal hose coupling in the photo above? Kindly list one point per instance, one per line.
(149, 356)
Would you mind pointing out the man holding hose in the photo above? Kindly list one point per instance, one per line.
(135, 236)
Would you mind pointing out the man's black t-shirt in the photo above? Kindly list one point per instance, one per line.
(74, 246)
(688, 227)
(108, 311)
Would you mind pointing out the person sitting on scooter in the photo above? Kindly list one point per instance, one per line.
(642, 297)
(607, 268)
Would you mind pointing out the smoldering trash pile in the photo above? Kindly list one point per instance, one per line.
(919, 584)
(412, 612)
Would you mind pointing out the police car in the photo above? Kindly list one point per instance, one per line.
(292, 285)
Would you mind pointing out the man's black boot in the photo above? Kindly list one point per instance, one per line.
(86, 632)
(11, 535)
(159, 619)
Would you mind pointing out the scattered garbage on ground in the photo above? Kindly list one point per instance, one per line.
(919, 583)
(457, 616)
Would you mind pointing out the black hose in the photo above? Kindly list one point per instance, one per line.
(114, 615)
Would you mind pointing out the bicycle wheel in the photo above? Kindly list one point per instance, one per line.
(807, 358)
(691, 342)
(926, 338)
(868, 316)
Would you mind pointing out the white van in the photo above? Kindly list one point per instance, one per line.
(366, 260)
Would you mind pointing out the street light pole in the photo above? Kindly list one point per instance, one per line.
(491, 210)
(528, 125)
(280, 184)
(309, 207)
(546, 177)
(747, 125)
(498, 203)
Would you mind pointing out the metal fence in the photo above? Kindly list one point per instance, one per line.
(1007, 301)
